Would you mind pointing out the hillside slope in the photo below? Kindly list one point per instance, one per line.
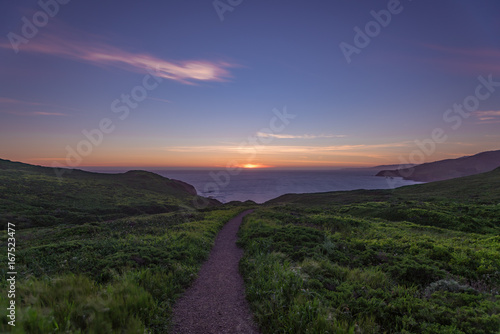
(449, 168)
(417, 259)
(35, 196)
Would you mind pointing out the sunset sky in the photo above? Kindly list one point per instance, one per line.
(192, 83)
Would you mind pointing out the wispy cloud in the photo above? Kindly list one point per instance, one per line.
(42, 113)
(479, 52)
(94, 50)
(285, 149)
(9, 106)
(287, 136)
(32, 113)
(463, 60)
(487, 117)
(6, 100)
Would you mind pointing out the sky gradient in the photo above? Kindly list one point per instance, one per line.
(258, 83)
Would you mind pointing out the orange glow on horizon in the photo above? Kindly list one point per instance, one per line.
(254, 166)
(139, 157)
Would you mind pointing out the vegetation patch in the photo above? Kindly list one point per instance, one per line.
(121, 276)
(329, 271)
(33, 196)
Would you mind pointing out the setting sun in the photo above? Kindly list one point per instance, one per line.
(253, 166)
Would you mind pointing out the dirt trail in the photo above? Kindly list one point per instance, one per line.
(216, 302)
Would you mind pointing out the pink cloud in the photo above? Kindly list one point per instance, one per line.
(6, 100)
(488, 117)
(94, 50)
(287, 136)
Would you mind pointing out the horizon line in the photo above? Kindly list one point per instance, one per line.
(132, 167)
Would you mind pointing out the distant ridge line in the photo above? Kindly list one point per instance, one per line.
(448, 168)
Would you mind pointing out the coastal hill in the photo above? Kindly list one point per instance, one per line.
(34, 196)
(448, 169)
(100, 253)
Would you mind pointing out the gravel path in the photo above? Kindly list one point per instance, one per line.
(216, 302)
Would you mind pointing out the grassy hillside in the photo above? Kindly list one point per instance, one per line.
(478, 189)
(35, 196)
(101, 253)
(419, 259)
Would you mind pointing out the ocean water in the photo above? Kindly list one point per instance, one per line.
(261, 185)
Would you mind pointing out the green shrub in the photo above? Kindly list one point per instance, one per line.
(73, 303)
